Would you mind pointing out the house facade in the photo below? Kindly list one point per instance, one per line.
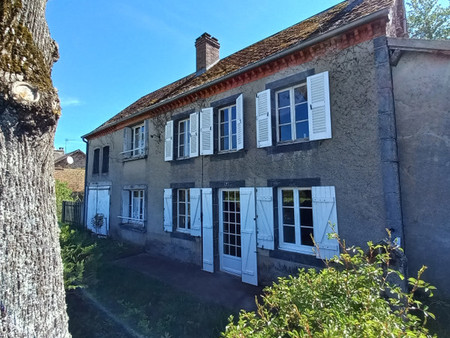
(237, 166)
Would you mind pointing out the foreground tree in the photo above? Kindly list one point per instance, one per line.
(428, 20)
(32, 302)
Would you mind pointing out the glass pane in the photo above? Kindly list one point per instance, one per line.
(232, 206)
(231, 195)
(181, 195)
(305, 198)
(238, 252)
(285, 133)
(233, 127)
(302, 129)
(233, 142)
(238, 228)
(233, 112)
(283, 99)
(284, 115)
(232, 251)
(288, 216)
(226, 250)
(300, 94)
(301, 112)
(225, 115)
(226, 143)
(306, 234)
(233, 240)
(233, 217)
(182, 127)
(306, 217)
(226, 206)
(225, 218)
(181, 222)
(288, 197)
(288, 234)
(232, 229)
(226, 239)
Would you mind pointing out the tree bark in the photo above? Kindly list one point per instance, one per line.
(32, 297)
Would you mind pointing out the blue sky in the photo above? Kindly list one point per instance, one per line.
(112, 52)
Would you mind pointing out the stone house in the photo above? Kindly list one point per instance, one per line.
(236, 165)
(70, 168)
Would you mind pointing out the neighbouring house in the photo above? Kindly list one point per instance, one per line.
(70, 168)
(339, 119)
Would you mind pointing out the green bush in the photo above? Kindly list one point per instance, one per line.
(352, 297)
(63, 193)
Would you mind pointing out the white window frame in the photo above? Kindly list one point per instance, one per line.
(185, 137)
(127, 216)
(297, 246)
(187, 211)
(292, 106)
(229, 132)
(137, 132)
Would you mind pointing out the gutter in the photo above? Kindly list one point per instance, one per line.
(298, 46)
(85, 199)
(419, 45)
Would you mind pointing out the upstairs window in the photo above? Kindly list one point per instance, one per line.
(96, 165)
(227, 128)
(135, 141)
(292, 114)
(184, 138)
(105, 160)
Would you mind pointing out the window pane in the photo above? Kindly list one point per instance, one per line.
(232, 251)
(300, 94)
(288, 197)
(226, 250)
(233, 112)
(284, 115)
(182, 127)
(181, 222)
(306, 217)
(301, 112)
(302, 129)
(288, 216)
(283, 99)
(181, 195)
(305, 198)
(233, 142)
(223, 129)
(306, 234)
(285, 133)
(225, 143)
(238, 252)
(288, 234)
(225, 115)
(233, 127)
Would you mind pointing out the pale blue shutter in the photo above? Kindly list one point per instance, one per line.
(263, 119)
(193, 130)
(206, 132)
(324, 214)
(264, 218)
(319, 113)
(240, 122)
(208, 237)
(168, 219)
(195, 212)
(168, 144)
(92, 208)
(126, 142)
(248, 236)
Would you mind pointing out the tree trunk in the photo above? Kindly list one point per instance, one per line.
(32, 298)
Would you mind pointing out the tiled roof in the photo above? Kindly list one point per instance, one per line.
(326, 21)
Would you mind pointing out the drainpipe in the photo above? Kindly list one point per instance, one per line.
(85, 207)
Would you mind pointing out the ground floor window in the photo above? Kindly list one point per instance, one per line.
(184, 210)
(295, 218)
(231, 213)
(133, 210)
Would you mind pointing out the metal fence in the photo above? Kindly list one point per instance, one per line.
(72, 213)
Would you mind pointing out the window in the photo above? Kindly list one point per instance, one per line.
(133, 209)
(231, 222)
(227, 128)
(96, 166)
(105, 160)
(296, 219)
(135, 141)
(184, 210)
(292, 113)
(184, 138)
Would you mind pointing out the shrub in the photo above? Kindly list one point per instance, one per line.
(63, 193)
(351, 297)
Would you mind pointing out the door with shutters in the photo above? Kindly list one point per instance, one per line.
(230, 248)
(98, 210)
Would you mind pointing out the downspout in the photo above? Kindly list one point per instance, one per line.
(85, 207)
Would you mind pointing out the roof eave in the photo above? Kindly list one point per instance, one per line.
(298, 46)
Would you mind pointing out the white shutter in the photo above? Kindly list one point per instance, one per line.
(126, 142)
(193, 125)
(206, 132)
(168, 220)
(319, 114)
(248, 236)
(125, 205)
(195, 211)
(264, 218)
(146, 133)
(240, 122)
(92, 208)
(324, 213)
(208, 238)
(263, 119)
(168, 144)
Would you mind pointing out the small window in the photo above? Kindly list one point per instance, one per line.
(105, 160)
(137, 140)
(292, 114)
(296, 219)
(133, 210)
(227, 128)
(184, 138)
(96, 166)
(183, 207)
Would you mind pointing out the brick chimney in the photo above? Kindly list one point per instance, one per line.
(207, 48)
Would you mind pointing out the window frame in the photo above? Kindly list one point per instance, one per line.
(187, 211)
(137, 151)
(297, 246)
(229, 134)
(293, 122)
(128, 206)
(105, 162)
(186, 138)
(96, 162)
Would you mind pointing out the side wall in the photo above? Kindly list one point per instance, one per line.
(422, 105)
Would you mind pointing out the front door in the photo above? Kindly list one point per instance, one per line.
(98, 210)
(230, 231)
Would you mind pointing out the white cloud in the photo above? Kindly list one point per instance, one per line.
(69, 102)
